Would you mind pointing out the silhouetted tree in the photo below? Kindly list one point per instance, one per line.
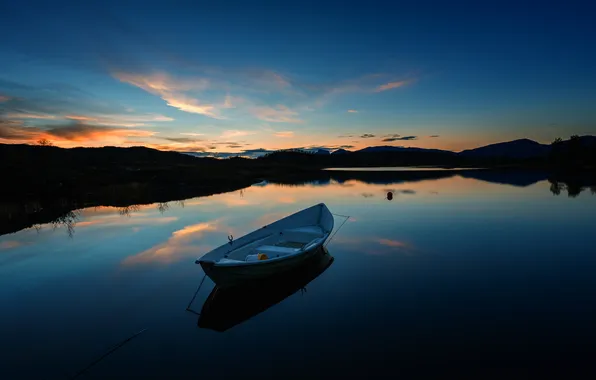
(44, 142)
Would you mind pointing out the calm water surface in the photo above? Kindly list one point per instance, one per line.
(451, 275)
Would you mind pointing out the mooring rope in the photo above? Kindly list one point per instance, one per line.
(195, 296)
(340, 226)
(107, 354)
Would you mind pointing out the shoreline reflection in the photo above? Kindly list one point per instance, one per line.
(66, 213)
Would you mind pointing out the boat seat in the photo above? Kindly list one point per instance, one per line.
(302, 234)
(273, 251)
(228, 261)
(311, 230)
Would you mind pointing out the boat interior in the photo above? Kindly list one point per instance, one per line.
(277, 244)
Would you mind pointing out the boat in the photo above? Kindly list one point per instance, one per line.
(272, 249)
(228, 307)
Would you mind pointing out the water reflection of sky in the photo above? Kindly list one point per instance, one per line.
(498, 247)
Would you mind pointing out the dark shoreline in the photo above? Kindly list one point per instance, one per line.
(42, 184)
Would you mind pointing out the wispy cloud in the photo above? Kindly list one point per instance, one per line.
(279, 79)
(284, 134)
(106, 120)
(4, 98)
(172, 91)
(191, 134)
(367, 136)
(392, 85)
(159, 83)
(434, 136)
(279, 114)
(120, 120)
(236, 133)
(269, 80)
(180, 147)
(228, 102)
(352, 111)
(29, 116)
(404, 138)
(180, 139)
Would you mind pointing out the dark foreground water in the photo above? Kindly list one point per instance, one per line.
(451, 276)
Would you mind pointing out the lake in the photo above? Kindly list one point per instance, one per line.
(453, 275)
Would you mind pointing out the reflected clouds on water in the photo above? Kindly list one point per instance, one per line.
(445, 256)
(182, 243)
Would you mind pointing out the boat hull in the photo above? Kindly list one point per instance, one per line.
(231, 275)
(228, 307)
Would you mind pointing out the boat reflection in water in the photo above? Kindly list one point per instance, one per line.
(228, 307)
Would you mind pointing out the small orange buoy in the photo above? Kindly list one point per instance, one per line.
(262, 256)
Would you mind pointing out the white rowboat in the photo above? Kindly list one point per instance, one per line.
(271, 249)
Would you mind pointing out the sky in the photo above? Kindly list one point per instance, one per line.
(246, 77)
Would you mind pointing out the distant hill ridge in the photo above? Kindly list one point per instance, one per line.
(516, 149)
(523, 148)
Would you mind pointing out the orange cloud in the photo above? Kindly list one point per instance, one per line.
(84, 132)
(352, 111)
(279, 114)
(159, 83)
(172, 91)
(190, 105)
(14, 131)
(284, 134)
(392, 85)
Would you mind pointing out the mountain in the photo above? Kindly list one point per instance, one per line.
(341, 151)
(519, 149)
(322, 152)
(583, 141)
(387, 148)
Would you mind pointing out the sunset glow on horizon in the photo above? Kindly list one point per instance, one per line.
(251, 79)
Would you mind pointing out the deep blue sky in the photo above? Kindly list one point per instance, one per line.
(232, 76)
